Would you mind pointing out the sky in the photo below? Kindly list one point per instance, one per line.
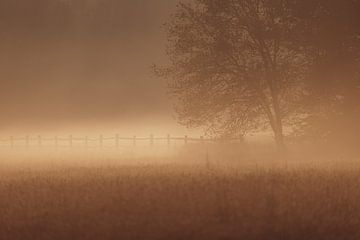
(84, 64)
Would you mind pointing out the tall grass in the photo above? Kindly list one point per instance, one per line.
(179, 202)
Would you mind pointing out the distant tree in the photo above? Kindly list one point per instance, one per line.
(330, 34)
(234, 66)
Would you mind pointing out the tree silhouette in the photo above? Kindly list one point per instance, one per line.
(330, 36)
(234, 67)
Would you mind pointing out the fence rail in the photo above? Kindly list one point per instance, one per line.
(71, 140)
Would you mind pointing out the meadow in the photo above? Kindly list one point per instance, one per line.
(180, 201)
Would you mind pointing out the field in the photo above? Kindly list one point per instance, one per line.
(179, 201)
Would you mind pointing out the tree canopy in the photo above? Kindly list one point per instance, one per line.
(244, 65)
(233, 66)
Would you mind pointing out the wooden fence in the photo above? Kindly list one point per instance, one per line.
(102, 141)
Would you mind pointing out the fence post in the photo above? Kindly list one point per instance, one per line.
(12, 141)
(152, 140)
(101, 140)
(117, 140)
(70, 140)
(39, 141)
(168, 140)
(134, 141)
(27, 141)
(186, 139)
(56, 139)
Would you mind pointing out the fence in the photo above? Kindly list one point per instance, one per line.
(102, 141)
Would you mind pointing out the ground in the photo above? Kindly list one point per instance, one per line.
(185, 202)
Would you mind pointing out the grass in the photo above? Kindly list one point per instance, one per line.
(179, 202)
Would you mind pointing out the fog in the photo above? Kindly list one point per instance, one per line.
(71, 66)
(179, 119)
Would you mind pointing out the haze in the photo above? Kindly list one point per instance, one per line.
(179, 119)
(80, 66)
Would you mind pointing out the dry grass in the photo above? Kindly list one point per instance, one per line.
(179, 202)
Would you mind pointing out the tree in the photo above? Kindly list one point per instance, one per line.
(234, 67)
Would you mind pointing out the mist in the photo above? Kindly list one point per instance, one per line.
(67, 64)
(179, 119)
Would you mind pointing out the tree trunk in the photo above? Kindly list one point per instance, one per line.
(279, 139)
(278, 130)
(278, 125)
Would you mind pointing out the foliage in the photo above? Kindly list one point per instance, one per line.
(245, 65)
(233, 66)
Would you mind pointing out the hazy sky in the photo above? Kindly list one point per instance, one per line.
(82, 63)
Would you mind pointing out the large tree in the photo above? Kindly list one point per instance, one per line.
(234, 67)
